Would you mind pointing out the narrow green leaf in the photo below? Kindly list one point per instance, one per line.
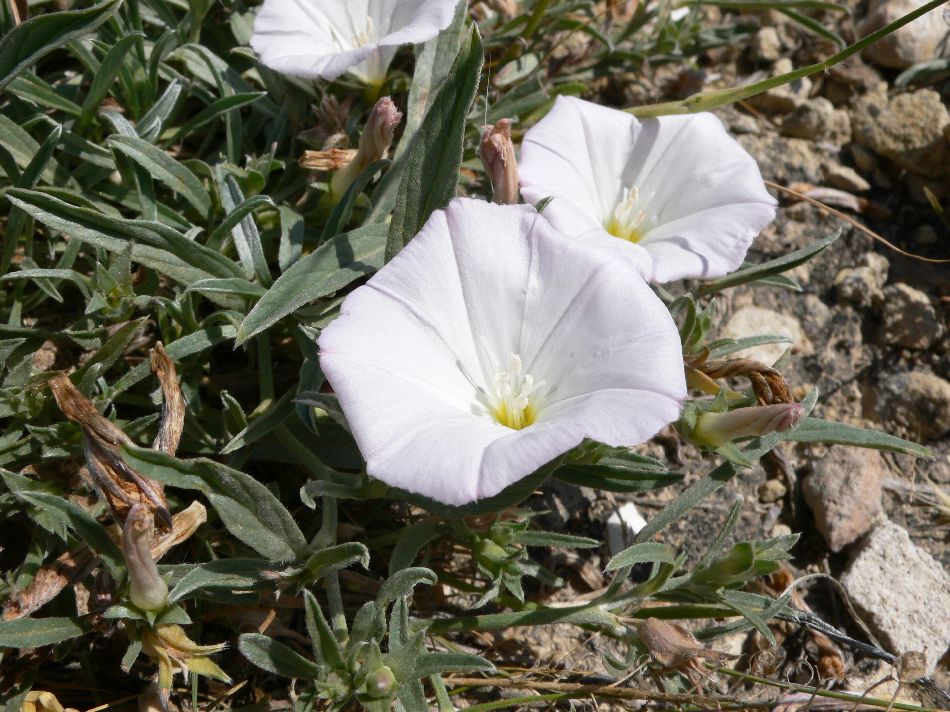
(646, 552)
(816, 430)
(36, 632)
(164, 168)
(334, 558)
(240, 223)
(247, 508)
(81, 522)
(230, 285)
(219, 107)
(326, 648)
(327, 269)
(227, 574)
(433, 63)
(105, 75)
(344, 209)
(155, 245)
(432, 164)
(400, 584)
(25, 44)
(438, 663)
(30, 87)
(272, 417)
(533, 537)
(276, 657)
(767, 269)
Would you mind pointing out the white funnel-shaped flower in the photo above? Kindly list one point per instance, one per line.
(325, 38)
(684, 198)
(490, 345)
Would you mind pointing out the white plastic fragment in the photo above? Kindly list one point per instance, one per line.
(622, 526)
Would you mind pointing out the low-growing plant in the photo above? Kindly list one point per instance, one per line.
(181, 462)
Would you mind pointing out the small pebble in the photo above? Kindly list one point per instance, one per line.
(772, 490)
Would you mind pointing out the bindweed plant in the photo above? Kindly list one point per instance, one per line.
(279, 380)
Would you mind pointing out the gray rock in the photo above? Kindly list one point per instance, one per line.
(910, 129)
(756, 321)
(917, 403)
(818, 120)
(903, 591)
(909, 319)
(844, 494)
(772, 491)
(766, 45)
(785, 98)
(845, 178)
(784, 160)
(862, 285)
(923, 39)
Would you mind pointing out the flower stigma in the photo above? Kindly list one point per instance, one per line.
(511, 403)
(627, 221)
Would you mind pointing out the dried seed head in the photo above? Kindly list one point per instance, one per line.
(498, 156)
(118, 484)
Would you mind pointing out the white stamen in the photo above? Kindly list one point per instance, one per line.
(511, 403)
(628, 220)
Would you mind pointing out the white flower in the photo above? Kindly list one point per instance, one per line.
(683, 196)
(490, 345)
(325, 38)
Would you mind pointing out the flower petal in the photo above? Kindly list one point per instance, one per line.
(325, 38)
(702, 194)
(577, 154)
(706, 192)
(416, 351)
(413, 21)
(307, 39)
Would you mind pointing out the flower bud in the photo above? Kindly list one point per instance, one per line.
(147, 589)
(380, 683)
(498, 156)
(720, 428)
(374, 143)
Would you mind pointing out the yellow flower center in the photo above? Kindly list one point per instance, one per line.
(627, 220)
(511, 399)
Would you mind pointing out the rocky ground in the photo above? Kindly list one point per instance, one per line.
(869, 330)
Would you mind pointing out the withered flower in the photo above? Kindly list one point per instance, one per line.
(498, 156)
(147, 588)
(170, 648)
(673, 646)
(118, 484)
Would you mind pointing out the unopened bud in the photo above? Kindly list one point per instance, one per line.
(374, 143)
(498, 156)
(380, 683)
(720, 428)
(147, 589)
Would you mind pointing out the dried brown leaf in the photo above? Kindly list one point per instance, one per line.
(173, 405)
(117, 483)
